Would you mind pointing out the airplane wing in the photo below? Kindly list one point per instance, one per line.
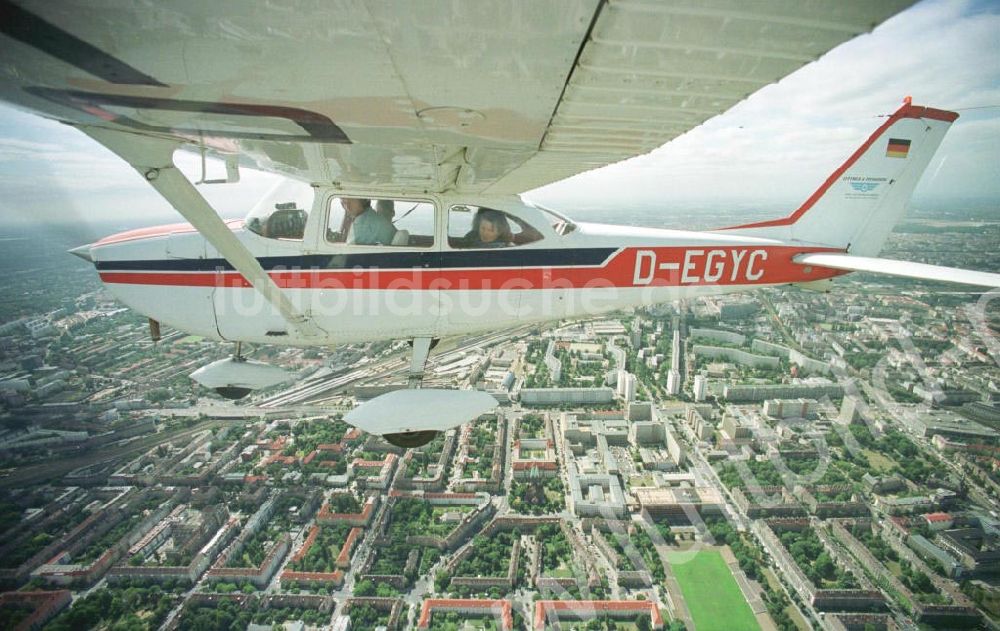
(478, 97)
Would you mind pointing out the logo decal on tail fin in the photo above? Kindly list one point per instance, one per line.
(898, 148)
(864, 187)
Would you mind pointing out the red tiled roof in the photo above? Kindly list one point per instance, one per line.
(326, 516)
(344, 558)
(313, 533)
(503, 607)
(275, 445)
(332, 577)
(44, 605)
(937, 517)
(285, 460)
(542, 607)
(527, 465)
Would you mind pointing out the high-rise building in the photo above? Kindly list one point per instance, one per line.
(674, 382)
(674, 448)
(551, 396)
(639, 412)
(635, 335)
(738, 433)
(790, 408)
(700, 387)
(630, 387)
(741, 392)
(626, 386)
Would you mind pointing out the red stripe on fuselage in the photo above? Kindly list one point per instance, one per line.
(631, 267)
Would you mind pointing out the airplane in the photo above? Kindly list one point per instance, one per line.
(408, 133)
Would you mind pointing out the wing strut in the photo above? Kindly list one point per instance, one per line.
(152, 157)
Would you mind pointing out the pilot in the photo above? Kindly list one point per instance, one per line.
(493, 230)
(386, 208)
(363, 225)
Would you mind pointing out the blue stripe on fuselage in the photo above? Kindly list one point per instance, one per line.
(513, 257)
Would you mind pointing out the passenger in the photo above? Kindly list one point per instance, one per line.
(364, 225)
(527, 233)
(386, 208)
(493, 229)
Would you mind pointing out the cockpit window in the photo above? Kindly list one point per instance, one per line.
(282, 213)
(387, 222)
(476, 227)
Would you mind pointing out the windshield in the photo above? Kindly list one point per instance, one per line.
(560, 223)
(282, 213)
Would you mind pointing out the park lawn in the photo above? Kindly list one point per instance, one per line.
(641, 480)
(772, 580)
(563, 571)
(554, 497)
(711, 592)
(879, 462)
(438, 511)
(895, 568)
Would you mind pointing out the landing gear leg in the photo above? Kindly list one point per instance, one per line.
(415, 375)
(235, 393)
(421, 350)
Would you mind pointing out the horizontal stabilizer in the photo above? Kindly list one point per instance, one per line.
(900, 268)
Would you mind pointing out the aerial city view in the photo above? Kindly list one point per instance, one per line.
(781, 459)
(581, 315)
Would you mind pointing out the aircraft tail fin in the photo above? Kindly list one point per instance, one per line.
(858, 205)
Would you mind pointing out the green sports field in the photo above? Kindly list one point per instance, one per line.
(711, 592)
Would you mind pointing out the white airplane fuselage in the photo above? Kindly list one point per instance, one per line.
(355, 293)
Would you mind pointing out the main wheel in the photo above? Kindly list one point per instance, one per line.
(233, 392)
(408, 440)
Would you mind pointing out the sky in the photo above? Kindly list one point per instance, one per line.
(772, 149)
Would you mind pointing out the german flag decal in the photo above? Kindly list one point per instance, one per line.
(898, 148)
